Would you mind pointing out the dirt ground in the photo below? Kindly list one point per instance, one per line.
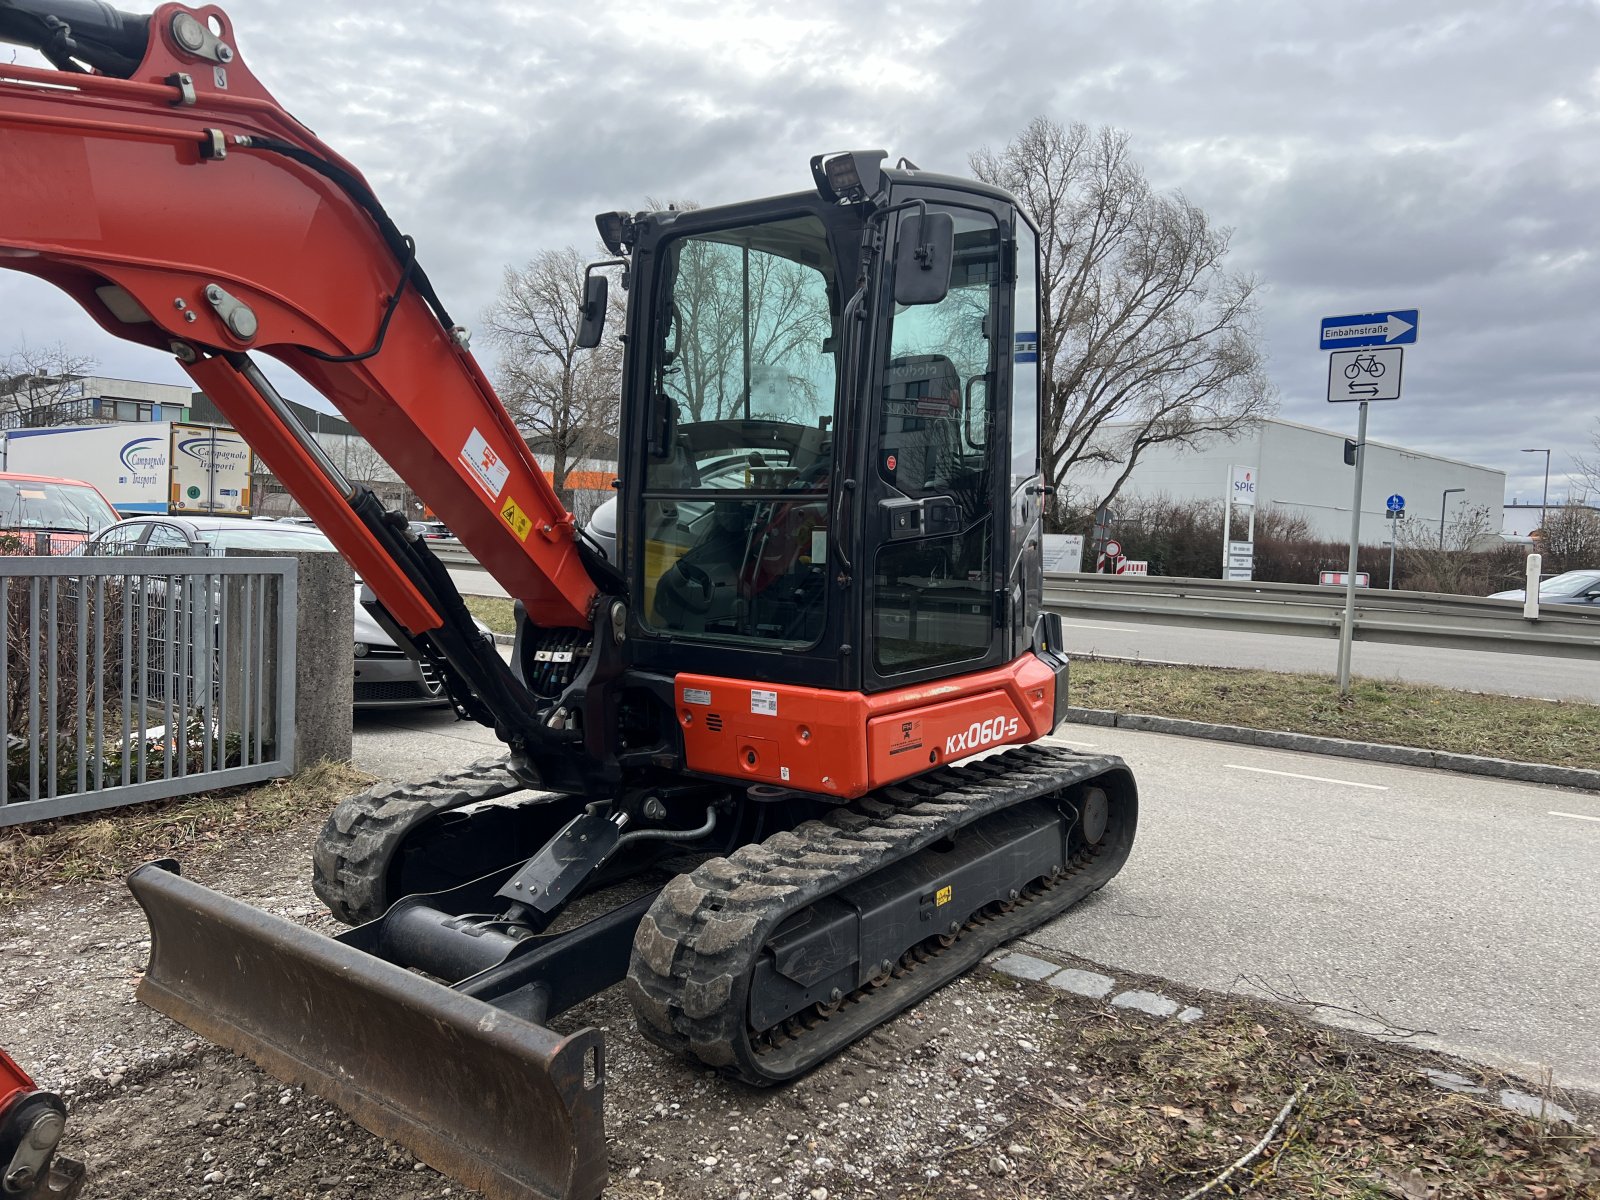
(990, 1088)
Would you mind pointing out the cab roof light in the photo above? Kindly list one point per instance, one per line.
(851, 175)
(615, 230)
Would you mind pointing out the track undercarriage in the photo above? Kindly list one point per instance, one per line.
(759, 959)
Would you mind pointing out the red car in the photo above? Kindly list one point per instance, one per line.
(40, 514)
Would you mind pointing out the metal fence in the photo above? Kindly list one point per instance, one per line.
(130, 679)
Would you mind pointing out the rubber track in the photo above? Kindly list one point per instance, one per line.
(350, 862)
(697, 947)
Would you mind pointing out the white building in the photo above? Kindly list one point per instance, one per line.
(1302, 470)
(42, 401)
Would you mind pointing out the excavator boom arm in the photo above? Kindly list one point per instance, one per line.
(172, 197)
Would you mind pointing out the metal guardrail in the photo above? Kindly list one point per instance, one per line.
(1312, 610)
(131, 679)
(1301, 610)
(452, 553)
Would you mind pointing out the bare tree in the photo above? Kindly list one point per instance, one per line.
(1588, 464)
(1462, 559)
(1141, 324)
(565, 399)
(41, 386)
(1570, 538)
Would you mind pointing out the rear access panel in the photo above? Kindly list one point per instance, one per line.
(509, 1108)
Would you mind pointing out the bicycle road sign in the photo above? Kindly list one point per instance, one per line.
(1396, 503)
(1364, 374)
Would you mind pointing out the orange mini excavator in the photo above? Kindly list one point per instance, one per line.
(741, 727)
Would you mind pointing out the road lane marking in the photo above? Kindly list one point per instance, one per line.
(1376, 787)
(1091, 626)
(1574, 816)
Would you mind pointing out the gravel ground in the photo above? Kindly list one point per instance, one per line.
(157, 1113)
(928, 1105)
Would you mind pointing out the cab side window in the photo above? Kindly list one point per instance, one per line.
(933, 592)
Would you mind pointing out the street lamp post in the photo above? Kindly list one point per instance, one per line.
(1544, 504)
(1443, 500)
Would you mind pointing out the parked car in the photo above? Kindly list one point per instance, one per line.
(385, 676)
(433, 531)
(1570, 587)
(43, 514)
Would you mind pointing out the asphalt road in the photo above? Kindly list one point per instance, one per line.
(1433, 901)
(1470, 670)
(1442, 902)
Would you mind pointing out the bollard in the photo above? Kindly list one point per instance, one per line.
(1530, 597)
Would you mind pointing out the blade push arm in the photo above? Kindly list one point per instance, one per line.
(181, 207)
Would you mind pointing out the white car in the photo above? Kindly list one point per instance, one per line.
(1570, 587)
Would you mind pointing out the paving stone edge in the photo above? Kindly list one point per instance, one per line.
(1405, 756)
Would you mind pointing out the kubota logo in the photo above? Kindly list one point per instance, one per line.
(980, 734)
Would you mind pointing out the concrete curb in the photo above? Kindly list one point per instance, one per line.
(1405, 756)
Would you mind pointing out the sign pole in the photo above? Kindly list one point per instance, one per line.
(1394, 536)
(1347, 630)
(1227, 520)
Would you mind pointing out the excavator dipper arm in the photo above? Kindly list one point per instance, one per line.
(183, 208)
(152, 178)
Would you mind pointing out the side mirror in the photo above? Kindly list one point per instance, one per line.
(923, 258)
(592, 322)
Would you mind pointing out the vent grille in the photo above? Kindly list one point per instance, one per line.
(714, 722)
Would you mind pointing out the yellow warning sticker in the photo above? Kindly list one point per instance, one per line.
(942, 896)
(521, 523)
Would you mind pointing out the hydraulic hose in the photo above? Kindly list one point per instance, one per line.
(74, 32)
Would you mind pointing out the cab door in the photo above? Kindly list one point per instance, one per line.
(939, 468)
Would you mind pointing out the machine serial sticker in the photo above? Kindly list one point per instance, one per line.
(521, 523)
(763, 704)
(696, 696)
(480, 458)
(942, 896)
(907, 737)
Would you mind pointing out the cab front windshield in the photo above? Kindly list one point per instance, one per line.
(736, 534)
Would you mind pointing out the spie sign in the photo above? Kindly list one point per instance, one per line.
(1244, 486)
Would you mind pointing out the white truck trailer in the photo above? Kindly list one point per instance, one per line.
(145, 467)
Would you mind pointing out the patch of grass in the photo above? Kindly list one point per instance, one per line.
(1158, 1109)
(1560, 733)
(494, 611)
(105, 846)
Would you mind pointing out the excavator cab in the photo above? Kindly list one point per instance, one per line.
(740, 735)
(830, 481)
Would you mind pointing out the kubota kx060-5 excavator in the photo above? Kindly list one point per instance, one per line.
(743, 714)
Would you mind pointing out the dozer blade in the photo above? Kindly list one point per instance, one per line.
(507, 1107)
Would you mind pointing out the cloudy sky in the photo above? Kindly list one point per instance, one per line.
(1443, 156)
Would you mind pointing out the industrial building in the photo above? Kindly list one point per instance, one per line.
(1301, 470)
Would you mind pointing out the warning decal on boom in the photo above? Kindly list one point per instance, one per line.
(521, 523)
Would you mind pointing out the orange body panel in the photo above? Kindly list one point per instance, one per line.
(104, 182)
(847, 743)
(14, 1082)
